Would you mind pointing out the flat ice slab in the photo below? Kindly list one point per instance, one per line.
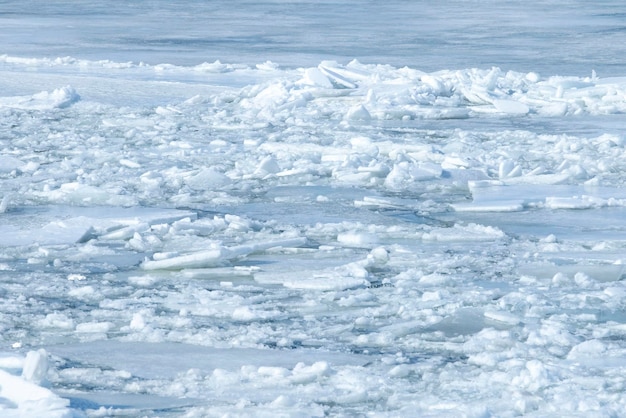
(165, 360)
(54, 225)
(536, 192)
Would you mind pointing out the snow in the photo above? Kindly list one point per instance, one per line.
(312, 209)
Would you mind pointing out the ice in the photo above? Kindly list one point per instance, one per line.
(58, 98)
(515, 195)
(312, 209)
(23, 396)
(337, 76)
(8, 164)
(357, 239)
(207, 179)
(157, 361)
(25, 226)
(315, 77)
(358, 113)
(218, 255)
(35, 366)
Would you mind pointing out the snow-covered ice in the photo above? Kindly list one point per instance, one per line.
(312, 209)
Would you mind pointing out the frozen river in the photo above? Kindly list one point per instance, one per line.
(561, 37)
(402, 208)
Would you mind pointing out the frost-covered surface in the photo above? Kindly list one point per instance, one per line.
(330, 239)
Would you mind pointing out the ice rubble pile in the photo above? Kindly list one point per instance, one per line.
(299, 126)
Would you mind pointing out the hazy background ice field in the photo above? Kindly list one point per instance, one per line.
(561, 37)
